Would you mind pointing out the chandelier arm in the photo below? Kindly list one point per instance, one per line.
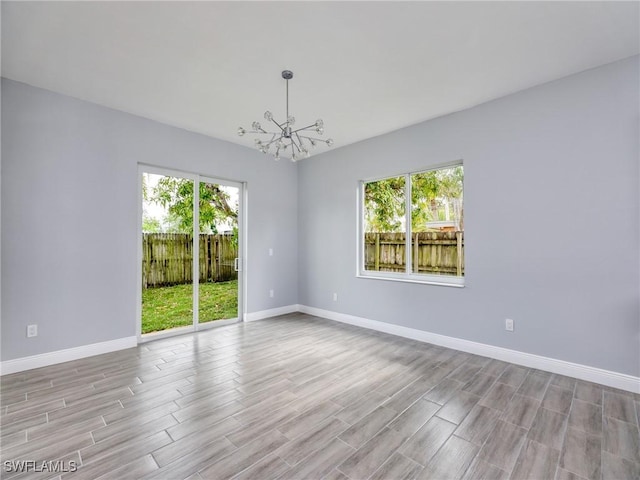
(314, 138)
(300, 141)
(264, 132)
(272, 141)
(279, 126)
(305, 128)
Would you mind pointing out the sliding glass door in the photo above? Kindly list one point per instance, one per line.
(218, 249)
(167, 253)
(190, 263)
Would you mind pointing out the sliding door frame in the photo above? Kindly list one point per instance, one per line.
(242, 251)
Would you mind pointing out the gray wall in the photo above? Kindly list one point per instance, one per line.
(551, 222)
(69, 216)
(69, 208)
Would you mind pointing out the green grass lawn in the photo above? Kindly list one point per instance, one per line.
(170, 307)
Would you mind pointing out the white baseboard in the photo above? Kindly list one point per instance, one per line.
(60, 356)
(583, 372)
(273, 312)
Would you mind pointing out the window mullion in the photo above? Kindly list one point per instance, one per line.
(361, 229)
(195, 272)
(407, 213)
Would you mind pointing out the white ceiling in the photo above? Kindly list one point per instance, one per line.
(366, 68)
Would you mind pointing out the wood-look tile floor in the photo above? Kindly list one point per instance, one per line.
(298, 397)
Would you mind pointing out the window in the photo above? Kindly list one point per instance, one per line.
(412, 227)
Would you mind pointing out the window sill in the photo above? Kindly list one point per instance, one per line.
(456, 282)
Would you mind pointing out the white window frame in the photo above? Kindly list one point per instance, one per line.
(407, 275)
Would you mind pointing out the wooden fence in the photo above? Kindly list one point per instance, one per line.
(167, 258)
(436, 253)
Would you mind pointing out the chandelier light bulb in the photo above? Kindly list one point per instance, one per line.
(286, 139)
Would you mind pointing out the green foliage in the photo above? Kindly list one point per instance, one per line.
(171, 307)
(151, 224)
(176, 195)
(435, 195)
(145, 189)
(384, 204)
(234, 239)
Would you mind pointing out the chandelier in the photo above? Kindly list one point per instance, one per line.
(285, 139)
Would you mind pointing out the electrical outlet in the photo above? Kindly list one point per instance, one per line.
(32, 330)
(335, 297)
(508, 325)
(271, 252)
(271, 293)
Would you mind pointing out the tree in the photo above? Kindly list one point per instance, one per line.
(384, 205)
(424, 199)
(176, 195)
(451, 190)
(151, 224)
(433, 195)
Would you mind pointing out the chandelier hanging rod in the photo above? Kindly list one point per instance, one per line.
(287, 75)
